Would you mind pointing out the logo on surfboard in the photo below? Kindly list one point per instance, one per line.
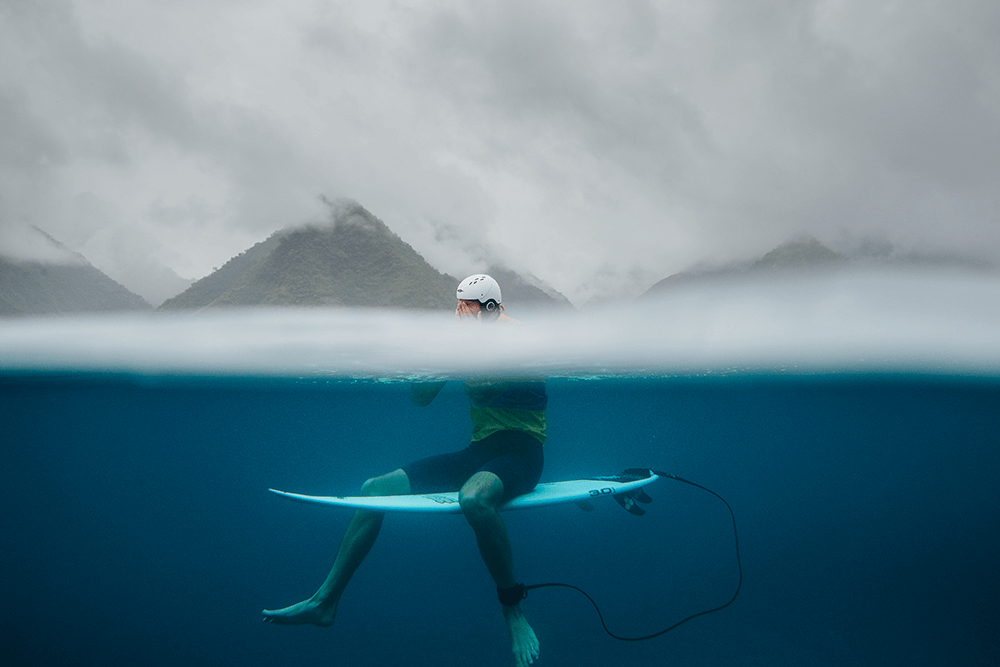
(442, 500)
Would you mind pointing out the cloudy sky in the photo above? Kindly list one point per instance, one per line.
(600, 146)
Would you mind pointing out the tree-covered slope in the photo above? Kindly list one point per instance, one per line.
(37, 288)
(353, 260)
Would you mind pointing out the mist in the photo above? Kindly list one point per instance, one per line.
(864, 322)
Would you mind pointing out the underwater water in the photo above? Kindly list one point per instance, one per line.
(137, 528)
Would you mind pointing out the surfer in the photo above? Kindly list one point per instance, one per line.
(503, 460)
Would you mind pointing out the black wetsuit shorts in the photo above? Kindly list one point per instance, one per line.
(513, 456)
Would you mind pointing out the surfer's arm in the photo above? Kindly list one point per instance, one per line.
(422, 393)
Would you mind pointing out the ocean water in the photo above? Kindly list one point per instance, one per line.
(137, 527)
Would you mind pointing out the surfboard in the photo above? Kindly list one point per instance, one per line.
(547, 493)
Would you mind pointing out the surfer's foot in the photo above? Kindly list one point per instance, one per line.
(523, 641)
(307, 612)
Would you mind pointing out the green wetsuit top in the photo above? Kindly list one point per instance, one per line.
(508, 405)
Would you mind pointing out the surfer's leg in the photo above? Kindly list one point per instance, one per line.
(358, 539)
(480, 498)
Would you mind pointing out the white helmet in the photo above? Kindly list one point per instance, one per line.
(481, 288)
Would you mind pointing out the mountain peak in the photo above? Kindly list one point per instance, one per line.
(347, 213)
(357, 261)
(802, 252)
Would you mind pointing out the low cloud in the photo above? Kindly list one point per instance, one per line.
(597, 147)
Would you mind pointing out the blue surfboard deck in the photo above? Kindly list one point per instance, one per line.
(547, 493)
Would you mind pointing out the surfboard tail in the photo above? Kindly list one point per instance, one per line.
(630, 499)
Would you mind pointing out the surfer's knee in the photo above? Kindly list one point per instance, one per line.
(474, 506)
(394, 483)
(483, 487)
(370, 487)
(478, 501)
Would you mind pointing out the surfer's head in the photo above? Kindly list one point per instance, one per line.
(479, 297)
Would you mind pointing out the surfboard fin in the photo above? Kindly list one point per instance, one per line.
(628, 501)
(585, 505)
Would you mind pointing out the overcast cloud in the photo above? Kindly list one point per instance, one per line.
(600, 146)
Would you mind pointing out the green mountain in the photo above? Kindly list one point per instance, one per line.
(354, 260)
(30, 287)
(802, 254)
(204, 292)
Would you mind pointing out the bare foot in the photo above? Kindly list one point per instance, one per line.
(304, 613)
(523, 641)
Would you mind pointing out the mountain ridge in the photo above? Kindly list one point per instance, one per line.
(67, 285)
(806, 254)
(353, 260)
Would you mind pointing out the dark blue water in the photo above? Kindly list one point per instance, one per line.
(137, 527)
